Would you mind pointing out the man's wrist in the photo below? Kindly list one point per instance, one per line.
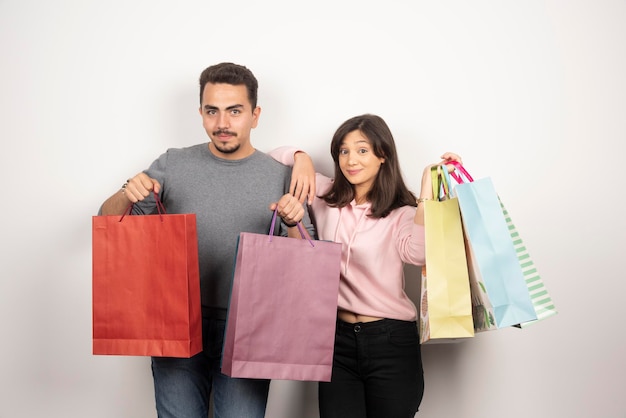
(288, 225)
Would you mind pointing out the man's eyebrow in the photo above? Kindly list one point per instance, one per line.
(211, 107)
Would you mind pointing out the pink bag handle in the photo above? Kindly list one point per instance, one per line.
(159, 205)
(459, 178)
(298, 224)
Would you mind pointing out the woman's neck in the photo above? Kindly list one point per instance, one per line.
(360, 199)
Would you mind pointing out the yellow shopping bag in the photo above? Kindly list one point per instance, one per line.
(446, 308)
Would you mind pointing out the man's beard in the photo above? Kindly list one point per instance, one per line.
(225, 150)
(222, 148)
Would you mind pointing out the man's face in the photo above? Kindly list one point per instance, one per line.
(228, 119)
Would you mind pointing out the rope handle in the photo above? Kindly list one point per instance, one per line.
(298, 224)
(159, 205)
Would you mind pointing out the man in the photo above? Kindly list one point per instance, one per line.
(231, 187)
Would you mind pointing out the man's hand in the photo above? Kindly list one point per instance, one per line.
(139, 187)
(134, 190)
(289, 209)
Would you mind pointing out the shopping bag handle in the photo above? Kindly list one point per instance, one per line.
(159, 205)
(440, 182)
(445, 174)
(459, 177)
(298, 224)
(434, 180)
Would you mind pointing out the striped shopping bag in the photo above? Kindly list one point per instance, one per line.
(541, 300)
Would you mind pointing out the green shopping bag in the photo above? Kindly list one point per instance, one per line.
(542, 302)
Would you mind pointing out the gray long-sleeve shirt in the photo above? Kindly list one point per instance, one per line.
(228, 197)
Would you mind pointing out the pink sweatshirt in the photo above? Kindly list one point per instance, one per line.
(373, 251)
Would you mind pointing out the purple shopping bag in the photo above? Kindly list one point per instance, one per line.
(283, 308)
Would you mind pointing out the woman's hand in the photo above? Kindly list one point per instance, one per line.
(447, 157)
(302, 185)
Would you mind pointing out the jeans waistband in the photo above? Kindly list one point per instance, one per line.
(375, 327)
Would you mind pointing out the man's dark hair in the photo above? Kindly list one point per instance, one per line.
(229, 73)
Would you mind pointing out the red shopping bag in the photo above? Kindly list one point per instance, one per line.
(283, 308)
(146, 285)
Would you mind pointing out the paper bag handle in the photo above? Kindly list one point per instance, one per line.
(159, 205)
(440, 182)
(459, 177)
(434, 179)
(443, 171)
(298, 224)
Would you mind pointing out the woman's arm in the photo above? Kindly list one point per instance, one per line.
(302, 174)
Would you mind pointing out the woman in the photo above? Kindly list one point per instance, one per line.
(377, 368)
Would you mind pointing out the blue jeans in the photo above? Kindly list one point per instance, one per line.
(377, 371)
(182, 386)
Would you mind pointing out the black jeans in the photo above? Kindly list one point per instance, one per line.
(377, 371)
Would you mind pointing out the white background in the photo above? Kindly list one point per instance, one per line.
(530, 93)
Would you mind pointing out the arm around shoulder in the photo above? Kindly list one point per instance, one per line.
(284, 155)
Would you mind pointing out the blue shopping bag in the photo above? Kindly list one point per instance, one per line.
(495, 260)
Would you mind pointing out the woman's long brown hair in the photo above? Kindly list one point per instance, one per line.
(389, 191)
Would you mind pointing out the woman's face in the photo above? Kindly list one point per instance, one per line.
(358, 162)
